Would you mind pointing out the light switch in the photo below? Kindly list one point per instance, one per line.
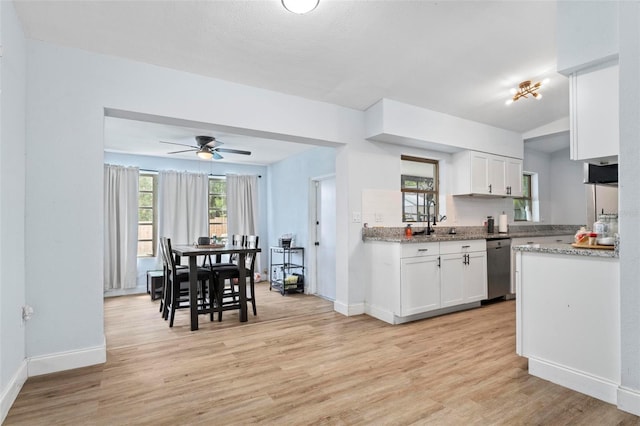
(357, 218)
(379, 217)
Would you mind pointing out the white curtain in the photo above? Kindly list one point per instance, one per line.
(242, 207)
(121, 226)
(183, 212)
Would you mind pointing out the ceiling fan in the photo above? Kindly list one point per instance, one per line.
(208, 147)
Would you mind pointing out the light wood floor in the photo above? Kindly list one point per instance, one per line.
(299, 363)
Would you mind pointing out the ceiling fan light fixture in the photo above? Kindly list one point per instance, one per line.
(205, 154)
(300, 6)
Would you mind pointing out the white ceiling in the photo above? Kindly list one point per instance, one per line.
(456, 57)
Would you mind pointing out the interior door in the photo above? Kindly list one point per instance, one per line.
(326, 238)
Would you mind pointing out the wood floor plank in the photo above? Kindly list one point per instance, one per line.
(298, 362)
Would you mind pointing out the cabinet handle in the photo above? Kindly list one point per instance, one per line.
(423, 249)
(438, 261)
(558, 241)
(466, 246)
(530, 242)
(508, 190)
(489, 188)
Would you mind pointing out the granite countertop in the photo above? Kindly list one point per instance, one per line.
(396, 235)
(557, 248)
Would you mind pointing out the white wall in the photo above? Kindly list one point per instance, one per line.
(587, 32)
(68, 91)
(540, 163)
(289, 195)
(195, 166)
(629, 393)
(567, 197)
(12, 206)
(392, 121)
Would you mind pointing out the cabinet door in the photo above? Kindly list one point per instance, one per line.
(514, 177)
(497, 175)
(475, 277)
(451, 275)
(594, 127)
(479, 173)
(419, 285)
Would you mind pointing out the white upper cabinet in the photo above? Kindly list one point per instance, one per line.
(514, 177)
(480, 173)
(498, 175)
(594, 125)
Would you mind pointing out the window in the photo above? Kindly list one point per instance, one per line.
(147, 215)
(218, 207)
(522, 205)
(419, 186)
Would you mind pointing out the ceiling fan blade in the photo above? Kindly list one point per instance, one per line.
(217, 156)
(181, 144)
(233, 151)
(184, 150)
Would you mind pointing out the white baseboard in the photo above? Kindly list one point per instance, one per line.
(381, 314)
(579, 381)
(10, 393)
(629, 400)
(67, 360)
(348, 310)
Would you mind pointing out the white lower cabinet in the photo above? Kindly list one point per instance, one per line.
(475, 277)
(452, 279)
(435, 276)
(464, 272)
(419, 285)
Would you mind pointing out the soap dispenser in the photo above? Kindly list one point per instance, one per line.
(408, 232)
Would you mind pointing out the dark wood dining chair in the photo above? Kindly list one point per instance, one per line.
(177, 284)
(228, 298)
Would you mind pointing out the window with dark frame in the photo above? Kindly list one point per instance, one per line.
(218, 207)
(147, 214)
(419, 193)
(522, 205)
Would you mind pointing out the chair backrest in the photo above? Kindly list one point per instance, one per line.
(251, 241)
(163, 252)
(237, 240)
(171, 263)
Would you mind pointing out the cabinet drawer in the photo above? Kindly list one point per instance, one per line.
(420, 249)
(451, 247)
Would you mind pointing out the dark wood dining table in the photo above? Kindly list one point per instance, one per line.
(192, 252)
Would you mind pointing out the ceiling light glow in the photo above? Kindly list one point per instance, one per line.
(525, 89)
(204, 153)
(300, 6)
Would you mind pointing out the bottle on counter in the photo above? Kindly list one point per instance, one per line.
(408, 232)
(490, 224)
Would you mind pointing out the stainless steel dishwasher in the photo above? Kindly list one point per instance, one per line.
(498, 267)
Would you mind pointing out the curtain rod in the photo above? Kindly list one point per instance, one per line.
(210, 174)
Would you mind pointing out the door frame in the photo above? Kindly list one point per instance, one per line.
(313, 251)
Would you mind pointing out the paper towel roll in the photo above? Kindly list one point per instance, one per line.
(502, 223)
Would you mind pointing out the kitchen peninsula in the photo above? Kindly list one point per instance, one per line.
(428, 275)
(568, 316)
